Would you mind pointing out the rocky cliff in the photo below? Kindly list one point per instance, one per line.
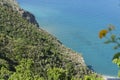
(27, 15)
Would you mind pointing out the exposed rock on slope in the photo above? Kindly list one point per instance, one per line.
(27, 15)
(30, 17)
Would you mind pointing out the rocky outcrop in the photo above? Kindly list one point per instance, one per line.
(30, 17)
(27, 15)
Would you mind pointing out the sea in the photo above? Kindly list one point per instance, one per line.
(76, 23)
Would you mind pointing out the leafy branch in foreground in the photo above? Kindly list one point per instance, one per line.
(114, 39)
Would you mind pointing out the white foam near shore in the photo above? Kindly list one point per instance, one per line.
(110, 78)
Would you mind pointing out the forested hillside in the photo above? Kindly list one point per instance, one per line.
(30, 53)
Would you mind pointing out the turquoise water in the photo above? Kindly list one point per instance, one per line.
(76, 24)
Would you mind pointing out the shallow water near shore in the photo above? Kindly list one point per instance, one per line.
(76, 24)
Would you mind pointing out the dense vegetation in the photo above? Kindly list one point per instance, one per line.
(30, 53)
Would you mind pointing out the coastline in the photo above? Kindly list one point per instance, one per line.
(65, 56)
(106, 77)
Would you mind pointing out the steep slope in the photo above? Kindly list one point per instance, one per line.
(20, 39)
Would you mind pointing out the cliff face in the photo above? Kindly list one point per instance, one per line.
(30, 17)
(20, 39)
(27, 15)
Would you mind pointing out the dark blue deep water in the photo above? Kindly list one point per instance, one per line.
(76, 24)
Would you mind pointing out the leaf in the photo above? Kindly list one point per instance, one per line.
(113, 37)
(115, 61)
(116, 56)
(115, 47)
(111, 27)
(108, 41)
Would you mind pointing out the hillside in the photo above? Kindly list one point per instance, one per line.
(27, 50)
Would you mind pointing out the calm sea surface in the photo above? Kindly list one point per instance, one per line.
(76, 24)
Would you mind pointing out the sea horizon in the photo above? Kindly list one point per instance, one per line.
(77, 24)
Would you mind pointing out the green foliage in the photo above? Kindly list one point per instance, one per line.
(116, 59)
(4, 73)
(73, 78)
(57, 74)
(112, 38)
(92, 77)
(23, 71)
